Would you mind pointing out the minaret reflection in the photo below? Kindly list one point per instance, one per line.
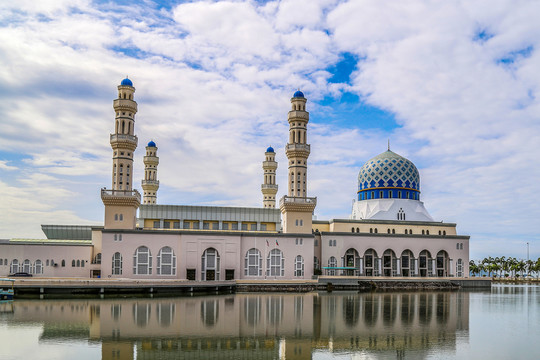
(289, 325)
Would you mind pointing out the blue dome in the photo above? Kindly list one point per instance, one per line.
(388, 175)
(298, 94)
(127, 82)
(270, 149)
(151, 144)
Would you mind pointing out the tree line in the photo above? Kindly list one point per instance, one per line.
(504, 267)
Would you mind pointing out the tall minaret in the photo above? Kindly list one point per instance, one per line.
(297, 208)
(269, 187)
(121, 202)
(150, 183)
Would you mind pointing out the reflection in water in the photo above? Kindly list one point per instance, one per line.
(265, 326)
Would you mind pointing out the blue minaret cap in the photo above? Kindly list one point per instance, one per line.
(127, 82)
(298, 94)
(152, 143)
(270, 149)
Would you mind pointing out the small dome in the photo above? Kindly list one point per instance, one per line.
(126, 82)
(152, 144)
(270, 149)
(298, 94)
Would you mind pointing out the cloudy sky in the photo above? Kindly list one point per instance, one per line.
(454, 85)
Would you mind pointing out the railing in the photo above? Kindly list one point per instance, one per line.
(131, 138)
(298, 200)
(151, 159)
(269, 186)
(270, 164)
(150, 182)
(126, 104)
(292, 147)
(120, 193)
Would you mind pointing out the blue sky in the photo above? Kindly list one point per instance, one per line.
(453, 85)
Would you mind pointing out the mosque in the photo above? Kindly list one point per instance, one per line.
(389, 232)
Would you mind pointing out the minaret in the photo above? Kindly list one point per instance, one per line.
(297, 208)
(269, 187)
(121, 202)
(150, 183)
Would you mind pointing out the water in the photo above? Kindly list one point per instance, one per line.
(502, 323)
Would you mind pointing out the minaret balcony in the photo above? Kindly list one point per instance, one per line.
(269, 187)
(153, 160)
(124, 138)
(120, 197)
(295, 115)
(297, 149)
(298, 200)
(125, 104)
(150, 182)
(269, 164)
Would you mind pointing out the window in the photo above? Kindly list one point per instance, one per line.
(46, 262)
(166, 224)
(27, 266)
(115, 217)
(176, 225)
(332, 262)
(38, 267)
(166, 261)
(78, 263)
(142, 261)
(459, 268)
(461, 246)
(234, 226)
(275, 263)
(63, 263)
(376, 231)
(316, 242)
(263, 227)
(244, 226)
(156, 224)
(457, 246)
(390, 194)
(206, 225)
(299, 266)
(72, 263)
(316, 264)
(117, 264)
(210, 264)
(427, 232)
(381, 194)
(334, 242)
(82, 263)
(186, 225)
(14, 266)
(352, 229)
(225, 226)
(121, 217)
(253, 263)
(253, 227)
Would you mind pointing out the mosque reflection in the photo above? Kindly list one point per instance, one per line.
(254, 326)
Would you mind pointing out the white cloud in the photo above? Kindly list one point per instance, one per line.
(213, 81)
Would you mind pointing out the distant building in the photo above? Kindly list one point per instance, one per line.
(389, 232)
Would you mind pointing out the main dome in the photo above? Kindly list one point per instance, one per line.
(392, 175)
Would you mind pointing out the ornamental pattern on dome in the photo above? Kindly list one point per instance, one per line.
(388, 170)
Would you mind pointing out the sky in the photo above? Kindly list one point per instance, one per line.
(453, 85)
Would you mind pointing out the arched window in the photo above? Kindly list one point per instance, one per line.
(82, 263)
(253, 263)
(427, 232)
(444, 232)
(329, 242)
(275, 263)
(166, 261)
(410, 231)
(332, 263)
(423, 232)
(371, 230)
(389, 231)
(78, 263)
(14, 266)
(357, 230)
(142, 261)
(27, 266)
(117, 264)
(376, 231)
(316, 264)
(72, 263)
(393, 231)
(38, 267)
(352, 229)
(299, 266)
(406, 231)
(63, 263)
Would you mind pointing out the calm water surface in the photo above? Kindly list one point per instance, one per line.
(503, 323)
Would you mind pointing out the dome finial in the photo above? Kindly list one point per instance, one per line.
(388, 144)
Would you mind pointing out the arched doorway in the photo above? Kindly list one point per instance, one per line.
(442, 263)
(210, 265)
(351, 260)
(407, 263)
(389, 265)
(371, 264)
(425, 265)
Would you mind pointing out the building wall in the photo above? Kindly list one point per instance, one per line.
(44, 252)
